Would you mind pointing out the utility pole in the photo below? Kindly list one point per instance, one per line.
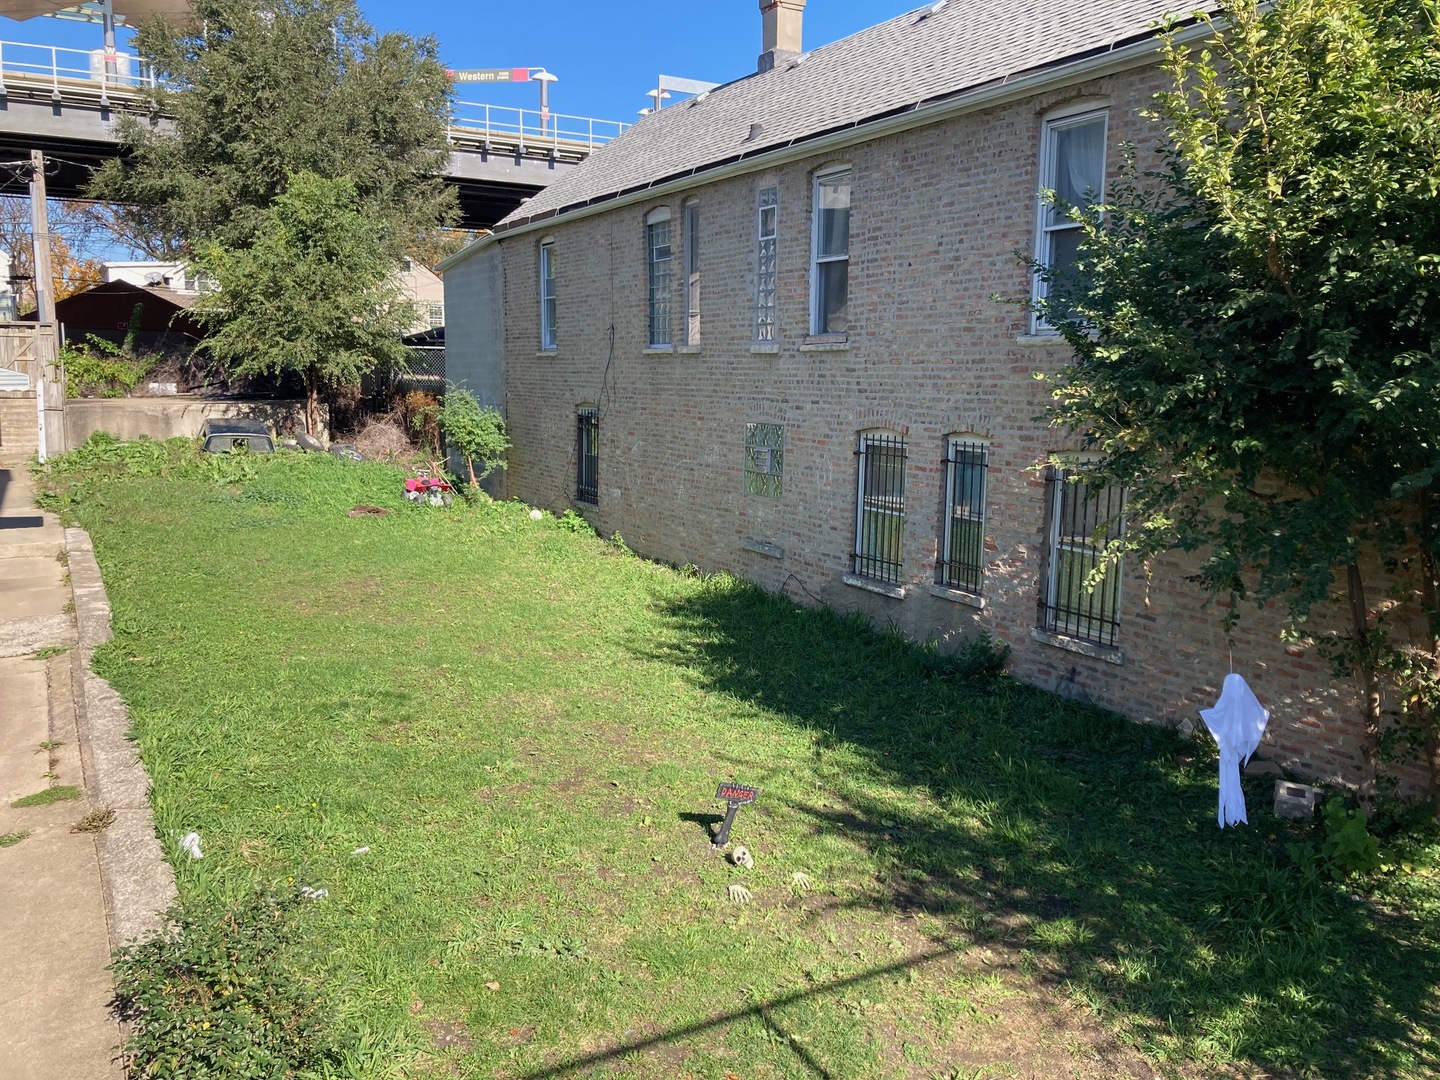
(40, 228)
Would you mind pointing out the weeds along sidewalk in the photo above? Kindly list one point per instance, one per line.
(54, 937)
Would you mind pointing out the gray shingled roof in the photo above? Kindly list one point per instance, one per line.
(889, 67)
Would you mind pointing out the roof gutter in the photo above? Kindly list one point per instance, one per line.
(1123, 56)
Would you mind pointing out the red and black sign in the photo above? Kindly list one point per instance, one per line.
(737, 794)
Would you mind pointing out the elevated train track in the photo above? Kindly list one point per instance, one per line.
(62, 102)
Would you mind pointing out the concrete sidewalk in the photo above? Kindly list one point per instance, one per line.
(55, 939)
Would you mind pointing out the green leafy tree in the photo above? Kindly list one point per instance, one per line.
(257, 91)
(312, 294)
(1257, 337)
(476, 433)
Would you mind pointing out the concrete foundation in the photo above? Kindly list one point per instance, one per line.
(181, 416)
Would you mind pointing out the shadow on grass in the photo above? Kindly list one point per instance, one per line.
(1093, 836)
(764, 1010)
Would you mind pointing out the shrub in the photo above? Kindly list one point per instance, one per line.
(100, 367)
(475, 433)
(421, 414)
(1349, 847)
(570, 521)
(220, 992)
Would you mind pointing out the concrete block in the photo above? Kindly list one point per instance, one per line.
(1296, 801)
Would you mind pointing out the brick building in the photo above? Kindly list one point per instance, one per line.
(765, 331)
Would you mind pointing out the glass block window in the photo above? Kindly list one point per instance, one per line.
(962, 540)
(767, 226)
(880, 507)
(1084, 517)
(764, 459)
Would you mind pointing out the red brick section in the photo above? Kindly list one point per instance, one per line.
(937, 216)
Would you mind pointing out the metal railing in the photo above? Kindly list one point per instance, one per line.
(530, 127)
(527, 130)
(49, 64)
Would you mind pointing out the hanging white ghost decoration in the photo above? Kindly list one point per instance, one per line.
(1237, 721)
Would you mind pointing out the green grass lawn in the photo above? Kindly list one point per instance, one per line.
(495, 743)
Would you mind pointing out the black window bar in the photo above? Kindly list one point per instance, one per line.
(1084, 518)
(880, 510)
(961, 559)
(587, 456)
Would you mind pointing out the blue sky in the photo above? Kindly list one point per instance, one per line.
(606, 54)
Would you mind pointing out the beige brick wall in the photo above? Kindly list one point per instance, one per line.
(937, 215)
(18, 424)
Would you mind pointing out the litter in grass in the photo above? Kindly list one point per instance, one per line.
(190, 844)
(536, 515)
(313, 894)
(361, 851)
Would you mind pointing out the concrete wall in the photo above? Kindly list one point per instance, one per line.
(169, 417)
(938, 214)
(475, 335)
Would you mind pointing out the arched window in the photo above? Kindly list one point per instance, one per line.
(657, 253)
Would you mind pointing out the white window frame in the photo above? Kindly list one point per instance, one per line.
(548, 306)
(953, 447)
(660, 325)
(1074, 116)
(767, 295)
(822, 177)
(690, 227)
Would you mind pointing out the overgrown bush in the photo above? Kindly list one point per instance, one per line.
(102, 368)
(420, 413)
(475, 433)
(222, 992)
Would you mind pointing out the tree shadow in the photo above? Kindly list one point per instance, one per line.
(1093, 836)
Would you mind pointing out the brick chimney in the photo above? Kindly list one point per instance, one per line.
(781, 27)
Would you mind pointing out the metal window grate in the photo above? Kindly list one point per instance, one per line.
(1084, 518)
(587, 456)
(961, 561)
(880, 508)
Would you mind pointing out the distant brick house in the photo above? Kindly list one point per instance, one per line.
(759, 332)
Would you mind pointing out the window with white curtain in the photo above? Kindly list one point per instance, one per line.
(1072, 165)
(830, 273)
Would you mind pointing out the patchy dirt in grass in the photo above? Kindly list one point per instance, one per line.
(449, 1036)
